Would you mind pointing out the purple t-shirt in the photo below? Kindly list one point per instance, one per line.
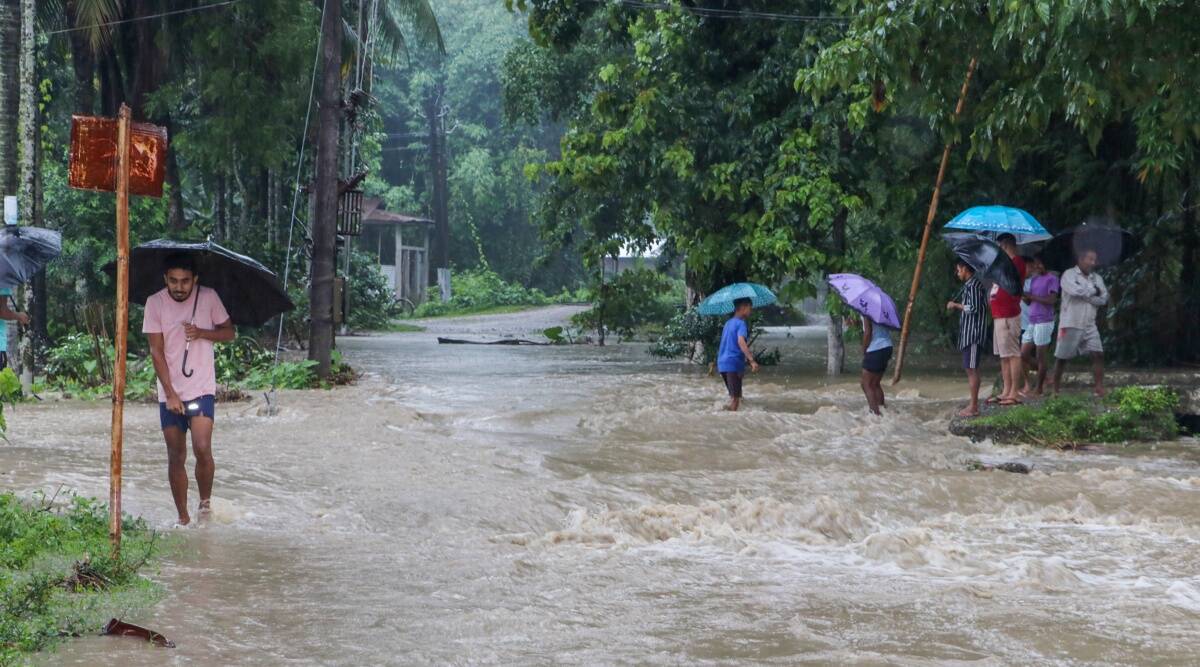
(1043, 285)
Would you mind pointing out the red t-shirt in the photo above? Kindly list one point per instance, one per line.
(1004, 304)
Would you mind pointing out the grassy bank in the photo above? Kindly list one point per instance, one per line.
(1127, 414)
(57, 576)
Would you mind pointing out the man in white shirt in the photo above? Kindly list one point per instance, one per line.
(1083, 293)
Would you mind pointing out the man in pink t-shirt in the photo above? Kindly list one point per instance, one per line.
(182, 322)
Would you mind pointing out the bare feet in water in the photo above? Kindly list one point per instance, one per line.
(205, 509)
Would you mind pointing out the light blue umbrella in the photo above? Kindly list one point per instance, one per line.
(721, 301)
(992, 221)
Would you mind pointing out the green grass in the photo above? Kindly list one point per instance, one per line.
(1128, 414)
(58, 577)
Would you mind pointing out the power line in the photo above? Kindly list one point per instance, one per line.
(716, 12)
(147, 17)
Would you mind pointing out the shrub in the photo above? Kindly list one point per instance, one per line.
(633, 299)
(689, 328)
(478, 290)
(371, 299)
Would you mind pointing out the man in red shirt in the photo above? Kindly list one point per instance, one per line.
(1006, 334)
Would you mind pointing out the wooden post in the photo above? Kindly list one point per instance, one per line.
(933, 205)
(122, 330)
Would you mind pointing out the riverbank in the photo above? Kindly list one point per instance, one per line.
(57, 576)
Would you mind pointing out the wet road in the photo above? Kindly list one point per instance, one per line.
(583, 505)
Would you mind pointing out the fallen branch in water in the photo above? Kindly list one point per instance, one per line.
(503, 341)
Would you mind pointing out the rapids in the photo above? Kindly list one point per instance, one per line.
(584, 505)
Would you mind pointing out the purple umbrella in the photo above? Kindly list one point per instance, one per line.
(866, 297)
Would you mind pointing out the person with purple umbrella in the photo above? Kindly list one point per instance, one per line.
(877, 352)
(879, 318)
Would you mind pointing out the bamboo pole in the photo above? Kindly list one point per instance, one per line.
(122, 330)
(933, 206)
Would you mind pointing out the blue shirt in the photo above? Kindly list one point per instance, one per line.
(881, 337)
(729, 356)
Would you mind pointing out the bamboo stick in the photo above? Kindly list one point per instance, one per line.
(933, 206)
(122, 331)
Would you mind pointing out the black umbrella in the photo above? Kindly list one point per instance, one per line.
(989, 260)
(24, 251)
(250, 291)
(1111, 244)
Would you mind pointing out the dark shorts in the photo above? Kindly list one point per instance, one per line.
(971, 355)
(877, 361)
(733, 382)
(208, 408)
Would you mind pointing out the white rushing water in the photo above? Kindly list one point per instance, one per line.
(578, 505)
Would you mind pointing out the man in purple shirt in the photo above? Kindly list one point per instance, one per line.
(1035, 342)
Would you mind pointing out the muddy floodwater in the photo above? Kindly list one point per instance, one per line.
(584, 505)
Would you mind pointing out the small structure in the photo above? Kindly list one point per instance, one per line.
(400, 244)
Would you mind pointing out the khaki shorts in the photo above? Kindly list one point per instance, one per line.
(1073, 342)
(1006, 337)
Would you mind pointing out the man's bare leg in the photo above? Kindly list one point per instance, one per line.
(734, 402)
(202, 431)
(1098, 373)
(1042, 369)
(973, 381)
(177, 470)
(1028, 364)
(1059, 366)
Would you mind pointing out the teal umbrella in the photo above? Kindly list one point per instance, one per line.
(992, 221)
(721, 301)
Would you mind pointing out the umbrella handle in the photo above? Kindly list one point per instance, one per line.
(187, 373)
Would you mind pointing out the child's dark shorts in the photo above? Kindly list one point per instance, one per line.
(733, 382)
(877, 360)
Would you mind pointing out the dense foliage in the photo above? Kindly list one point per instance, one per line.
(633, 300)
(58, 576)
(780, 149)
(483, 290)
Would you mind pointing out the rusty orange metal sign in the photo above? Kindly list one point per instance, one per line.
(93, 164)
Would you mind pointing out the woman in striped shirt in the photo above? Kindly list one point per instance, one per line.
(972, 329)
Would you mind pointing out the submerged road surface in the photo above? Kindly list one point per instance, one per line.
(583, 505)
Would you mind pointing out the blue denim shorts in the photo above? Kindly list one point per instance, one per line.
(208, 408)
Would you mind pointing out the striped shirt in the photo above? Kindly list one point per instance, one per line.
(972, 323)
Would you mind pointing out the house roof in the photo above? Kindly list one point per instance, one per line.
(374, 214)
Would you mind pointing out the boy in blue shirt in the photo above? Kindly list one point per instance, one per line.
(734, 353)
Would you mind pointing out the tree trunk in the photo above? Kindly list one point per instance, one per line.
(28, 167)
(1189, 275)
(83, 62)
(324, 226)
(438, 177)
(220, 226)
(10, 92)
(10, 95)
(176, 216)
(835, 355)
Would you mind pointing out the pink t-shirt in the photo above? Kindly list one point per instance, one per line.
(167, 316)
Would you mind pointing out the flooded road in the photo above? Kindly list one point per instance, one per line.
(583, 505)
